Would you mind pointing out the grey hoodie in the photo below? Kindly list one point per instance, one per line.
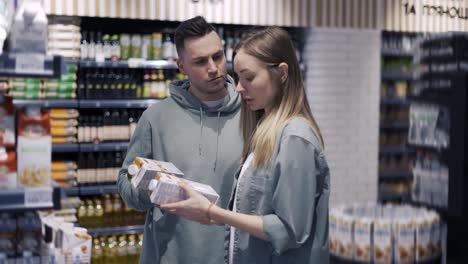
(203, 143)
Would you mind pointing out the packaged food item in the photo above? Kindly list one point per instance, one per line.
(136, 46)
(58, 113)
(125, 47)
(146, 47)
(30, 94)
(64, 122)
(8, 234)
(29, 28)
(362, 239)
(435, 234)
(59, 85)
(166, 189)
(64, 140)
(63, 131)
(157, 46)
(334, 240)
(7, 121)
(144, 170)
(404, 241)
(64, 175)
(345, 225)
(382, 250)
(29, 233)
(55, 28)
(7, 169)
(34, 148)
(423, 238)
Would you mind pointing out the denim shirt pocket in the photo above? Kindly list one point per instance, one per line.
(259, 193)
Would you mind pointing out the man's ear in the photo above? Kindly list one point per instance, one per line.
(283, 70)
(180, 65)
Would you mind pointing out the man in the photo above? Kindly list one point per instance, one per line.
(197, 129)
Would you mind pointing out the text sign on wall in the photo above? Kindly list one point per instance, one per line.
(448, 9)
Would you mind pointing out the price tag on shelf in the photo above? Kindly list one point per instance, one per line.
(29, 63)
(38, 197)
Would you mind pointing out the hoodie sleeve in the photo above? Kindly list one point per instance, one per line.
(140, 146)
(295, 195)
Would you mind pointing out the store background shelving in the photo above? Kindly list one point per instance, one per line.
(19, 200)
(92, 107)
(395, 157)
(125, 230)
(452, 100)
(21, 65)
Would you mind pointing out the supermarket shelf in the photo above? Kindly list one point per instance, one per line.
(89, 104)
(107, 146)
(137, 63)
(387, 196)
(438, 208)
(72, 191)
(439, 149)
(65, 148)
(46, 103)
(397, 174)
(21, 199)
(142, 104)
(30, 65)
(89, 147)
(396, 76)
(440, 97)
(339, 260)
(401, 149)
(124, 230)
(396, 53)
(404, 125)
(91, 190)
(394, 101)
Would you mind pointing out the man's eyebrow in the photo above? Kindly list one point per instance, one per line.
(205, 57)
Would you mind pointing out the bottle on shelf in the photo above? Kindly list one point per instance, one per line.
(84, 45)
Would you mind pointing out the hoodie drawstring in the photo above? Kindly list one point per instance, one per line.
(201, 137)
(201, 132)
(217, 141)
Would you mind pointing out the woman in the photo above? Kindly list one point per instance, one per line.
(280, 201)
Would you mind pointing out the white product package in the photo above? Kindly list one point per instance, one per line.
(145, 170)
(162, 179)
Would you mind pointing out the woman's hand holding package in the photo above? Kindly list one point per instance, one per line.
(195, 208)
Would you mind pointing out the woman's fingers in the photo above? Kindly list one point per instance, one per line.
(187, 188)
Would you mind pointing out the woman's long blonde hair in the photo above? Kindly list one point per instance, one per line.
(272, 46)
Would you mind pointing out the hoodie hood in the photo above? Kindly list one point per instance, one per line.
(180, 94)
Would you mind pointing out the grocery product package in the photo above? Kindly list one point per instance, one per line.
(162, 179)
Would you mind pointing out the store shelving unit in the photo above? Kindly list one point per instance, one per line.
(124, 230)
(90, 147)
(397, 174)
(339, 260)
(397, 53)
(448, 68)
(91, 190)
(131, 103)
(31, 65)
(137, 63)
(30, 199)
(399, 149)
(87, 103)
(106, 146)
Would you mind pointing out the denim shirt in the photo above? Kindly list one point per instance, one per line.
(291, 195)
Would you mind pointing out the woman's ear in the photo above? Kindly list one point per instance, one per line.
(283, 70)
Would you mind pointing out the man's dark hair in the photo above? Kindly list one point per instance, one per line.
(194, 27)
